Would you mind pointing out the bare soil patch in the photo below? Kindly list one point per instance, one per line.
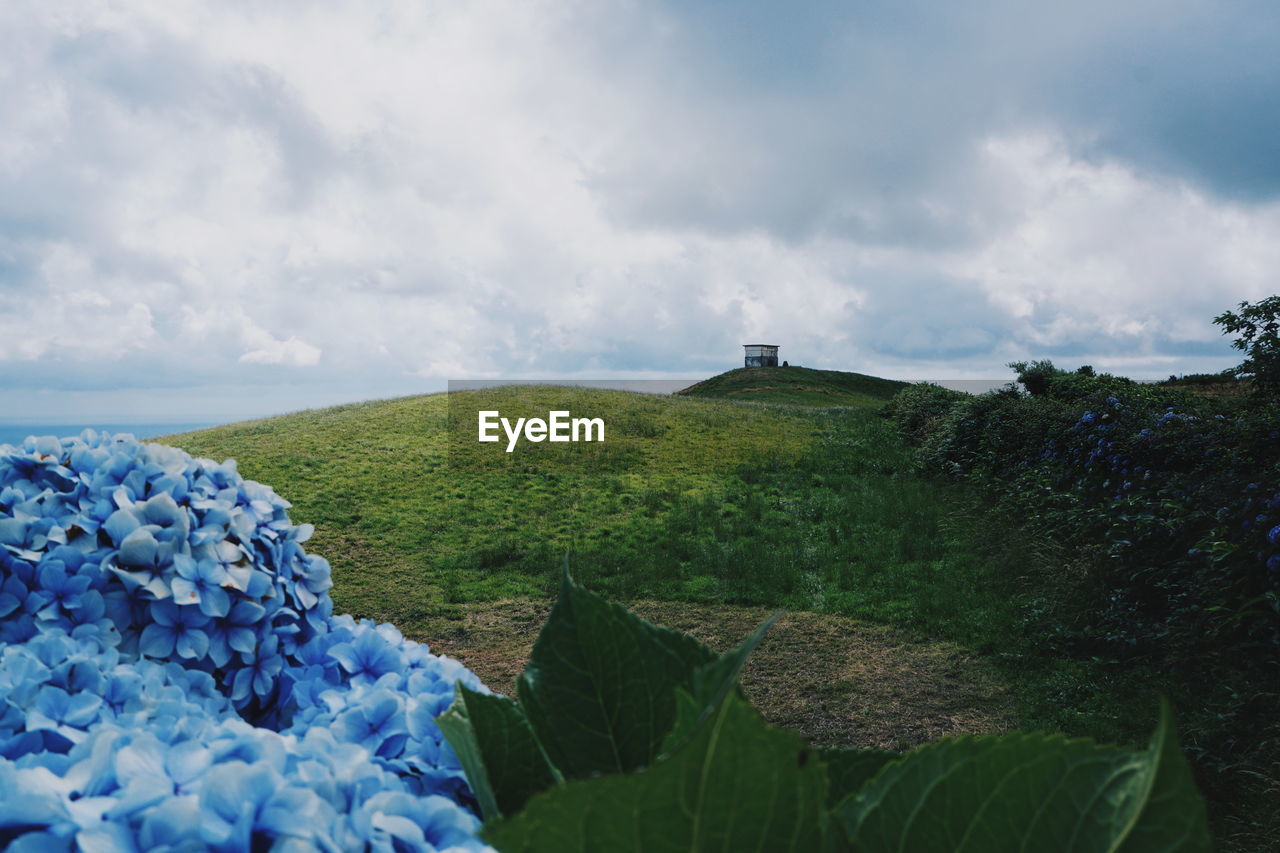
(838, 681)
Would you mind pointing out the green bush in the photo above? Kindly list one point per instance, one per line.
(919, 409)
(1176, 500)
(1220, 378)
(1258, 327)
(1182, 499)
(1042, 379)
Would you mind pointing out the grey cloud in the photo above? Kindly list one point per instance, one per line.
(866, 120)
(112, 78)
(1192, 95)
(929, 319)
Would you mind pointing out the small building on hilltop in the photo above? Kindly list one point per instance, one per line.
(761, 355)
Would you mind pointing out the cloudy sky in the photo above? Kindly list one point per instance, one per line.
(213, 210)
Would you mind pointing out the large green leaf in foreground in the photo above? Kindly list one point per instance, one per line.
(1030, 792)
(496, 748)
(850, 769)
(738, 784)
(708, 686)
(599, 689)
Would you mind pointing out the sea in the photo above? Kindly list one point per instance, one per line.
(15, 433)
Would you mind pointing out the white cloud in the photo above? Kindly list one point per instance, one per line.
(292, 352)
(292, 192)
(1100, 251)
(73, 313)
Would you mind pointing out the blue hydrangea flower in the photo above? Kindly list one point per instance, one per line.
(175, 628)
(257, 675)
(368, 658)
(172, 675)
(201, 582)
(66, 714)
(60, 590)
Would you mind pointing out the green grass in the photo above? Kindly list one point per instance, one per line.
(412, 521)
(688, 499)
(797, 386)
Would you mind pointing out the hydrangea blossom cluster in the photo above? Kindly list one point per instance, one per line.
(172, 676)
(1187, 504)
(1129, 455)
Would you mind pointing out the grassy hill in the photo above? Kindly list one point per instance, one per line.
(687, 499)
(798, 386)
(694, 508)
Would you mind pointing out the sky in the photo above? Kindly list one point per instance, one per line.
(218, 210)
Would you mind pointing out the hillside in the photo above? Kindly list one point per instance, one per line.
(799, 386)
(411, 522)
(687, 499)
(704, 511)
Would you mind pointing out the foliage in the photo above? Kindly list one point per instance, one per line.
(1042, 379)
(1172, 502)
(1222, 377)
(1035, 375)
(172, 676)
(917, 410)
(705, 772)
(1258, 328)
(1180, 497)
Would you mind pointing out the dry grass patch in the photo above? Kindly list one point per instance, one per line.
(838, 681)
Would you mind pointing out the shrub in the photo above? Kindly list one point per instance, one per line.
(1173, 501)
(1179, 497)
(1258, 327)
(1042, 379)
(919, 409)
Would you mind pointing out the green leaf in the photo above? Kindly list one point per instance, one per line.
(1173, 815)
(738, 784)
(708, 686)
(1023, 792)
(849, 769)
(599, 689)
(504, 764)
